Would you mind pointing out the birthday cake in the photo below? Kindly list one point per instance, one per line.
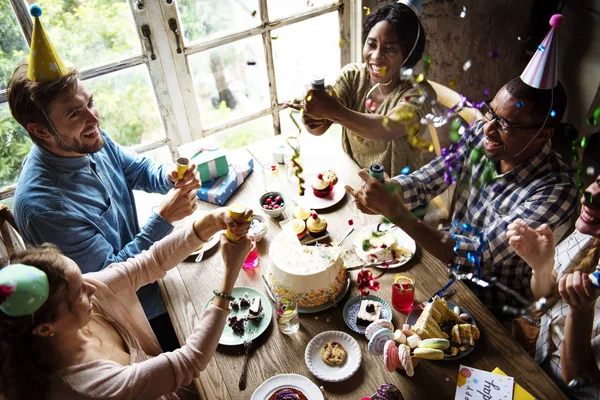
(309, 275)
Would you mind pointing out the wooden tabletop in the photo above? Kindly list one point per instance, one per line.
(187, 289)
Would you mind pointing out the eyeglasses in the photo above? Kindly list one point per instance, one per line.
(503, 126)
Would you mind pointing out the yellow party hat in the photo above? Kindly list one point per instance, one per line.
(44, 62)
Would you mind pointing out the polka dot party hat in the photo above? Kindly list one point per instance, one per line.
(23, 289)
(44, 62)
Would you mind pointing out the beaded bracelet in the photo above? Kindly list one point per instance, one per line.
(223, 295)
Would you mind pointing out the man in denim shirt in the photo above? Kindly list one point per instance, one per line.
(75, 189)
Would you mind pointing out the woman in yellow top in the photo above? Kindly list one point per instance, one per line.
(369, 96)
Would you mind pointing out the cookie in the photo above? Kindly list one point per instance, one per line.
(333, 353)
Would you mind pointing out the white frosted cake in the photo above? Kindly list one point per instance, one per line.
(382, 246)
(309, 275)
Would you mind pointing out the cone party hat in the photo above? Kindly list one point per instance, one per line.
(44, 62)
(414, 5)
(542, 70)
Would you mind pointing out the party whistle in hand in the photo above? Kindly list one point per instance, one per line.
(182, 166)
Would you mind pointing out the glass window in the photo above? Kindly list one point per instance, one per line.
(128, 109)
(280, 9)
(14, 146)
(91, 33)
(13, 47)
(161, 155)
(230, 81)
(209, 18)
(243, 135)
(316, 51)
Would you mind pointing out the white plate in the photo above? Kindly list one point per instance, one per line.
(299, 382)
(309, 200)
(328, 373)
(208, 245)
(402, 239)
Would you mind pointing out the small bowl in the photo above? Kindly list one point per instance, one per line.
(272, 213)
(258, 237)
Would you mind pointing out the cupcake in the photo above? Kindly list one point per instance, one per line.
(299, 227)
(387, 391)
(316, 225)
(302, 213)
(321, 187)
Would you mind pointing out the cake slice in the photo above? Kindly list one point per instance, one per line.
(255, 308)
(465, 334)
(429, 323)
(369, 312)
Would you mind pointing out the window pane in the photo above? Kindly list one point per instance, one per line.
(14, 146)
(247, 133)
(280, 9)
(161, 155)
(316, 50)
(91, 33)
(209, 18)
(13, 47)
(230, 81)
(128, 109)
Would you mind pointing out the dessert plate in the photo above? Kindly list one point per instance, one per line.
(323, 307)
(330, 373)
(353, 305)
(212, 242)
(299, 382)
(402, 240)
(309, 199)
(308, 239)
(412, 317)
(228, 337)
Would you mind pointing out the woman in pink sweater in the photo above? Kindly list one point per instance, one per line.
(86, 336)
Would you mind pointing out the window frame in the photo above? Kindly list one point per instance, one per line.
(174, 92)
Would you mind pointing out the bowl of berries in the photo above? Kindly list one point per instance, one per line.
(273, 203)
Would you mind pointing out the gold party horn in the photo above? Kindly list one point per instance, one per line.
(182, 166)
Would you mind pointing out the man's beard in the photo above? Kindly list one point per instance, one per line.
(493, 157)
(78, 146)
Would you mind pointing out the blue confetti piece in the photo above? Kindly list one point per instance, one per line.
(541, 48)
(519, 104)
(553, 113)
(405, 170)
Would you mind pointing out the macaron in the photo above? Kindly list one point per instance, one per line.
(390, 355)
(316, 225)
(302, 213)
(377, 325)
(377, 342)
(299, 227)
(405, 362)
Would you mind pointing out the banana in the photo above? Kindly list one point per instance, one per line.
(429, 354)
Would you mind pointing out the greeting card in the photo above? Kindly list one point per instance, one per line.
(475, 384)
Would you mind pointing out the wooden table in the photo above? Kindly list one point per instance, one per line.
(187, 288)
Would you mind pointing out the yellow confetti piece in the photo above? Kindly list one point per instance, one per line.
(309, 97)
(420, 78)
(316, 317)
(342, 42)
(452, 82)
(382, 71)
(386, 123)
(274, 37)
(367, 10)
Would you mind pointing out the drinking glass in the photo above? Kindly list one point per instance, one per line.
(271, 177)
(403, 293)
(252, 258)
(287, 316)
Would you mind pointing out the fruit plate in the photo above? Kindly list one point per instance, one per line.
(415, 313)
(401, 238)
(228, 337)
(353, 305)
(309, 200)
(331, 373)
(294, 381)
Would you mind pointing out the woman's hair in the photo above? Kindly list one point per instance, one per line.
(408, 28)
(24, 367)
(28, 100)
(586, 263)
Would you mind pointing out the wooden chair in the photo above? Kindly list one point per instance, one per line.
(12, 242)
(440, 208)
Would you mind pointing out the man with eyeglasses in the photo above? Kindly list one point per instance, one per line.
(531, 182)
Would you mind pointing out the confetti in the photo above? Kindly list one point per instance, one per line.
(405, 170)
(452, 82)
(296, 157)
(467, 65)
(254, 13)
(552, 113)
(590, 171)
(541, 48)
(494, 54)
(309, 97)
(420, 78)
(463, 13)
(367, 10)
(350, 221)
(523, 39)
(519, 104)
(426, 63)
(251, 62)
(274, 37)
(342, 42)
(486, 92)
(316, 317)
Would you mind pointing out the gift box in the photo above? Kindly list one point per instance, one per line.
(218, 191)
(211, 163)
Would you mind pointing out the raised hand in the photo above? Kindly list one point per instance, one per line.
(177, 204)
(234, 253)
(534, 246)
(577, 291)
(189, 181)
(379, 198)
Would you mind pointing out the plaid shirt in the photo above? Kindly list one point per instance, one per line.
(540, 190)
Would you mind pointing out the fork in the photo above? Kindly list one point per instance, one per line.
(247, 346)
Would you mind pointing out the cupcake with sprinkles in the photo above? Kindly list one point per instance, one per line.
(316, 225)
